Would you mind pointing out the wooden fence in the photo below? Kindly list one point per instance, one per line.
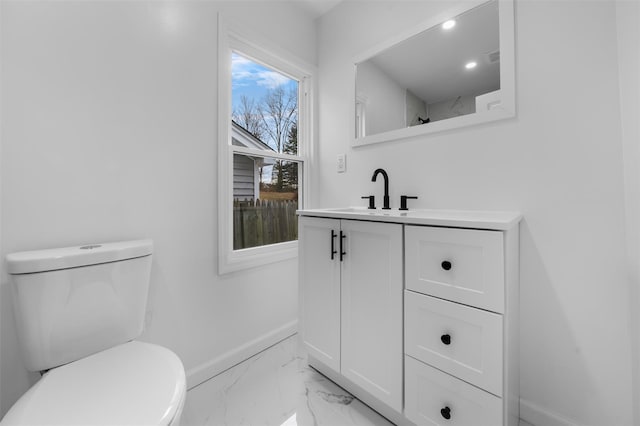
(264, 222)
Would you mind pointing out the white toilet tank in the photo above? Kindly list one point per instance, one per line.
(72, 302)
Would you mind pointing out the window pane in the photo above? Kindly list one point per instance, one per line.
(265, 200)
(264, 104)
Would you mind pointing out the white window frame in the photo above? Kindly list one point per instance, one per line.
(232, 37)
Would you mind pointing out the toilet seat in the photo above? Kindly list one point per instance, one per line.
(134, 383)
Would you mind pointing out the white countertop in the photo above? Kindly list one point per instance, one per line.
(495, 220)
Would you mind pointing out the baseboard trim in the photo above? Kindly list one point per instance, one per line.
(212, 368)
(537, 416)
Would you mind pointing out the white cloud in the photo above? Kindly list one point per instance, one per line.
(239, 61)
(245, 72)
(271, 79)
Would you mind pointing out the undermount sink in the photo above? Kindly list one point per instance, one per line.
(362, 210)
(349, 209)
(366, 211)
(498, 220)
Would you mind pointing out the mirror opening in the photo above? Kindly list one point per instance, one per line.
(450, 70)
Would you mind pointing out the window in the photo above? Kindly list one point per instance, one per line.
(264, 110)
(264, 119)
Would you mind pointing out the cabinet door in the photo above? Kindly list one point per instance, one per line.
(372, 309)
(320, 288)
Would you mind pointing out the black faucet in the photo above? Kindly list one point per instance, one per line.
(386, 187)
(403, 201)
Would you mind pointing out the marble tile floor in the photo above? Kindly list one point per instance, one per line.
(277, 388)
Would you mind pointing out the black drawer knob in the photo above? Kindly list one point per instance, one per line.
(446, 339)
(446, 413)
(446, 265)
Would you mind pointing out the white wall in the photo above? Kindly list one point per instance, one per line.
(2, 329)
(415, 108)
(109, 114)
(384, 99)
(559, 162)
(628, 20)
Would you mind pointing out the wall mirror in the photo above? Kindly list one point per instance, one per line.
(454, 70)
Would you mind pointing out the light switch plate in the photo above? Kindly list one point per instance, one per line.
(341, 163)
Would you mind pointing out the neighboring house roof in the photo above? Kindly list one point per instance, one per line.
(241, 136)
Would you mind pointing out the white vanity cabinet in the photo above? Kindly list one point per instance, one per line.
(415, 313)
(351, 303)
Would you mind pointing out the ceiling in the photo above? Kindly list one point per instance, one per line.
(431, 64)
(317, 8)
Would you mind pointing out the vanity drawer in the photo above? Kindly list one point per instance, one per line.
(463, 341)
(431, 396)
(462, 265)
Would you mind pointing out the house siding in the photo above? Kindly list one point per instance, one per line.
(244, 186)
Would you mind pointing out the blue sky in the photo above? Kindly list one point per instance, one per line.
(254, 80)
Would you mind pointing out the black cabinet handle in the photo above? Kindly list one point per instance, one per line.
(446, 413)
(446, 339)
(333, 249)
(446, 265)
(342, 252)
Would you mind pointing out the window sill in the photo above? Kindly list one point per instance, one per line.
(238, 260)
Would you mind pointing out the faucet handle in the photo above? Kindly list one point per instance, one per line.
(372, 202)
(403, 201)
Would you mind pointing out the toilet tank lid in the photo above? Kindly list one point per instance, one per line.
(28, 262)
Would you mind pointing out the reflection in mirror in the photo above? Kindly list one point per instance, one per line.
(450, 70)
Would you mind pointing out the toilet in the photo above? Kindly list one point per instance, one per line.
(77, 311)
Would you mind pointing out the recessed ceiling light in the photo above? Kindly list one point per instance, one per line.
(449, 24)
(471, 65)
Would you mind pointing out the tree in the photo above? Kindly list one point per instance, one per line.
(248, 116)
(279, 113)
(291, 144)
(290, 168)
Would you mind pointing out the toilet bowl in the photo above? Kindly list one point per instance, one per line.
(134, 383)
(77, 311)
